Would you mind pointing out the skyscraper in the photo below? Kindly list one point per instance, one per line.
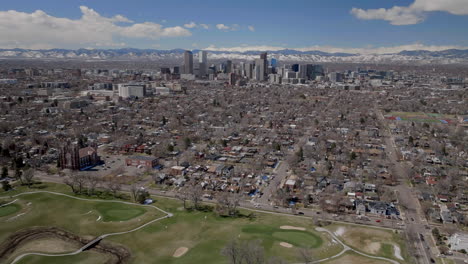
(260, 69)
(188, 62)
(228, 66)
(203, 62)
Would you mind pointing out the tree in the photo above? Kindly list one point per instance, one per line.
(93, 182)
(142, 195)
(187, 142)
(134, 192)
(76, 181)
(18, 174)
(244, 252)
(228, 203)
(4, 172)
(28, 176)
(233, 252)
(6, 186)
(196, 195)
(183, 195)
(114, 186)
(305, 254)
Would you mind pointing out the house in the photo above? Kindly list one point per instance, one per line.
(360, 206)
(446, 217)
(379, 208)
(177, 170)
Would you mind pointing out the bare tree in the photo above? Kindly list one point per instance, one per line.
(233, 252)
(28, 177)
(183, 195)
(228, 203)
(196, 195)
(134, 191)
(114, 186)
(305, 254)
(76, 181)
(92, 182)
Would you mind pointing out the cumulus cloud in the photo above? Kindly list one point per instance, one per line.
(330, 49)
(223, 27)
(414, 13)
(251, 28)
(40, 30)
(205, 26)
(190, 25)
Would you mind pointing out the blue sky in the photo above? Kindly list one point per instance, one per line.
(276, 23)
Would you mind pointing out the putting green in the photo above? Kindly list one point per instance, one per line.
(9, 209)
(118, 212)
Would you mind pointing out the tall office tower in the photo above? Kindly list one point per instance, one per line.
(249, 70)
(260, 69)
(232, 79)
(228, 68)
(203, 62)
(302, 73)
(273, 62)
(176, 70)
(264, 57)
(188, 62)
(295, 67)
(242, 68)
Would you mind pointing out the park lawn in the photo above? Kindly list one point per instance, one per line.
(373, 241)
(205, 234)
(77, 216)
(87, 257)
(9, 209)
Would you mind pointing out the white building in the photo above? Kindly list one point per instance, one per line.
(132, 90)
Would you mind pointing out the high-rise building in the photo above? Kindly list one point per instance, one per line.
(228, 68)
(273, 62)
(188, 62)
(232, 79)
(260, 69)
(203, 63)
(302, 73)
(249, 67)
(295, 67)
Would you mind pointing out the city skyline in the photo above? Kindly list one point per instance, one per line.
(334, 26)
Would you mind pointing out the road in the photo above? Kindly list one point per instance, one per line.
(415, 224)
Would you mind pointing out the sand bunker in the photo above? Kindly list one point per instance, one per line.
(340, 231)
(373, 247)
(180, 252)
(397, 252)
(286, 245)
(292, 228)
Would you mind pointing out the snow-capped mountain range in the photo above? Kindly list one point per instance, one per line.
(451, 56)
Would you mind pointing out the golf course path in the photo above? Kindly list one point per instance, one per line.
(346, 248)
(97, 239)
(8, 203)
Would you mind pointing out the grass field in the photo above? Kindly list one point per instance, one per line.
(203, 233)
(9, 209)
(372, 241)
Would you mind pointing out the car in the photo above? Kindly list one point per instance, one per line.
(432, 260)
(412, 219)
(317, 212)
(300, 213)
(378, 221)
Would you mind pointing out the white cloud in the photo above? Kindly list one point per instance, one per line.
(223, 27)
(330, 49)
(413, 14)
(205, 26)
(251, 28)
(190, 25)
(40, 30)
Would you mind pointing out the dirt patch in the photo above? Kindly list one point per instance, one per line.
(117, 254)
(286, 245)
(180, 252)
(48, 245)
(373, 247)
(286, 227)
